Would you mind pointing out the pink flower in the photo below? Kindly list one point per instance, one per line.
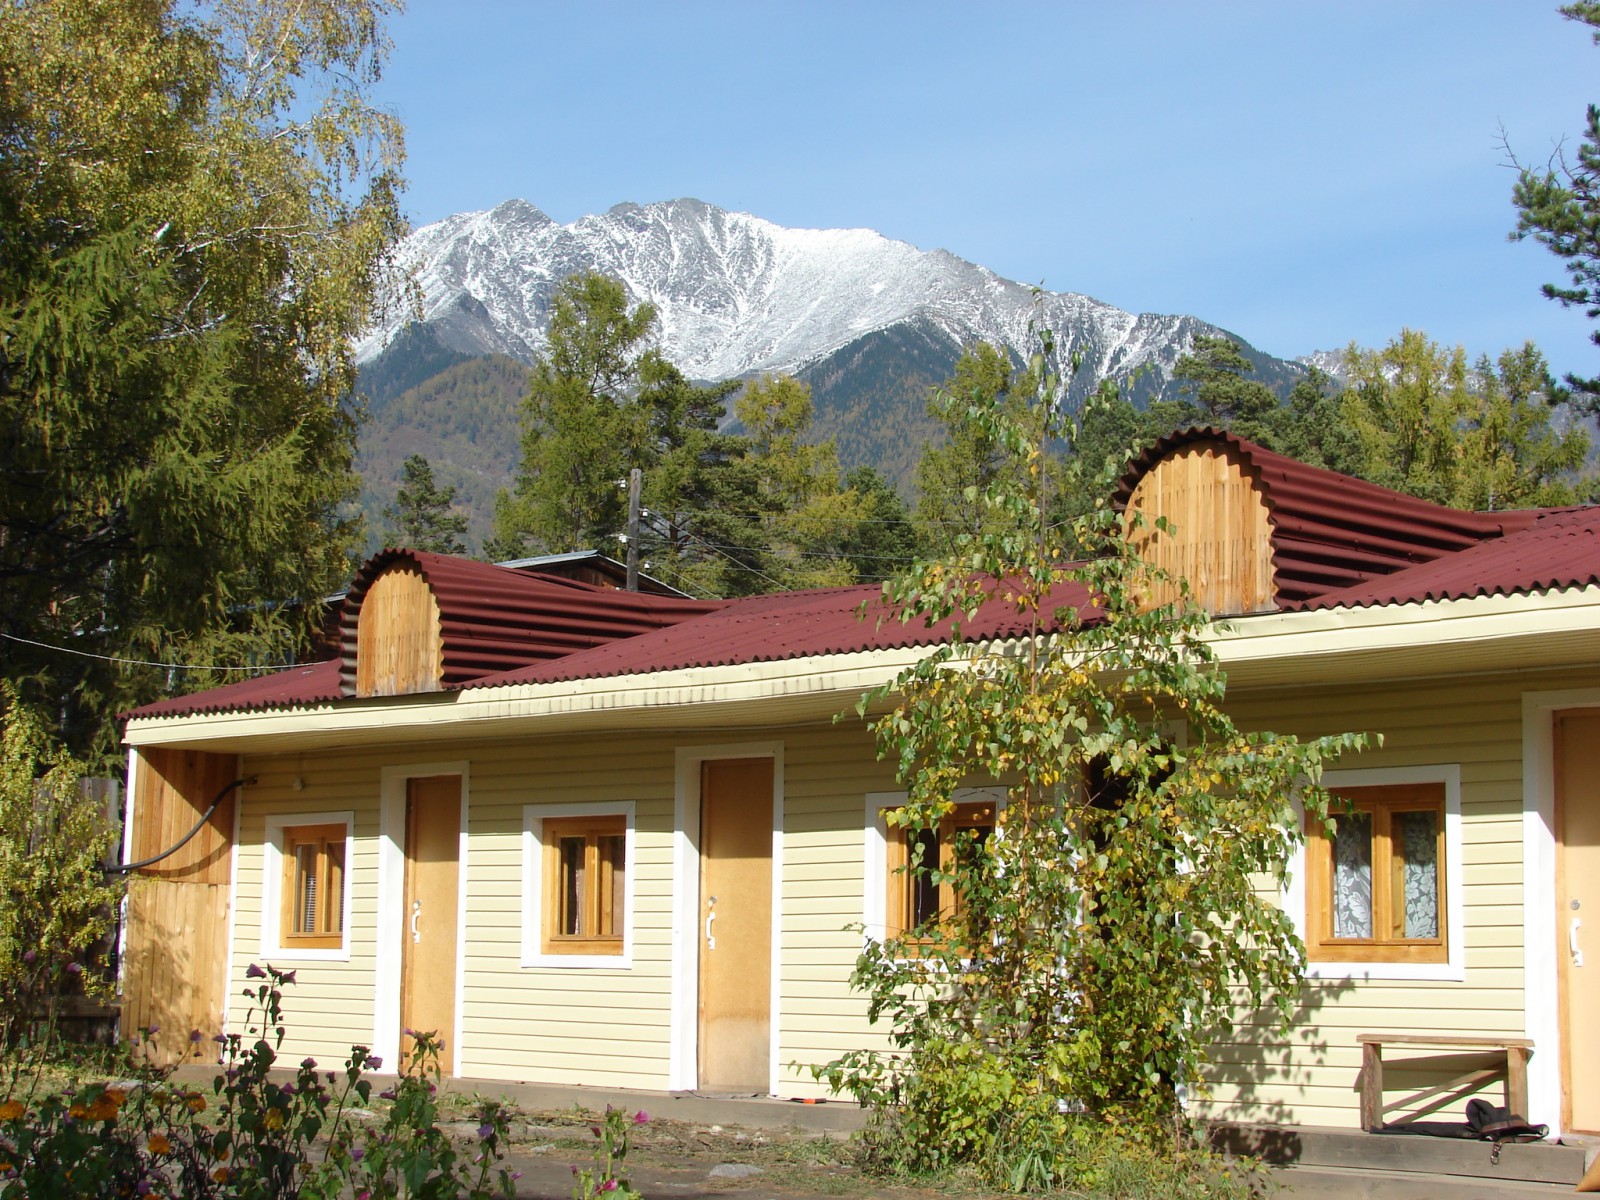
(609, 1185)
(310, 1064)
(641, 1117)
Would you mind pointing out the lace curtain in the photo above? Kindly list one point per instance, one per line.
(1416, 835)
(1415, 846)
(1352, 877)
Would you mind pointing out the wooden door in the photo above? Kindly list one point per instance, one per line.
(1577, 778)
(736, 926)
(428, 957)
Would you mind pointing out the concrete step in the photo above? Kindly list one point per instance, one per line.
(1357, 1183)
(1350, 1149)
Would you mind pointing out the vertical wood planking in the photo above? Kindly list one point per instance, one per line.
(399, 639)
(1222, 538)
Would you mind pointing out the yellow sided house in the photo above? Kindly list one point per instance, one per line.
(600, 837)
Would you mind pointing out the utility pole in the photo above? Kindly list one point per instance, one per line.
(635, 481)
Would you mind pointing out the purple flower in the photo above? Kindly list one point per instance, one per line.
(74, 968)
(332, 1078)
(574, 1170)
(485, 1130)
(609, 1185)
(357, 1153)
(375, 1063)
(254, 972)
(142, 1187)
(287, 977)
(595, 1129)
(28, 956)
(641, 1117)
(152, 1031)
(386, 1094)
(310, 1064)
(516, 1175)
(288, 1089)
(220, 1039)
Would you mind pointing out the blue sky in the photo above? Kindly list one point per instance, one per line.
(1301, 173)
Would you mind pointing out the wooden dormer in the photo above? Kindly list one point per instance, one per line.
(1221, 537)
(399, 634)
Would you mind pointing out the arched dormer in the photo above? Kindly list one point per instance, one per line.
(1254, 530)
(399, 639)
(1221, 535)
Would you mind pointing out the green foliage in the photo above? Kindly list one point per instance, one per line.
(1216, 373)
(1424, 424)
(1115, 924)
(1558, 205)
(421, 517)
(58, 903)
(884, 541)
(608, 1176)
(582, 428)
(255, 1136)
(952, 477)
(804, 515)
(197, 207)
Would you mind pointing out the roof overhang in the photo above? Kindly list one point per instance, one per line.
(1311, 648)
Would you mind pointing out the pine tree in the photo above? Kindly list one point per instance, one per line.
(421, 516)
(1221, 392)
(197, 210)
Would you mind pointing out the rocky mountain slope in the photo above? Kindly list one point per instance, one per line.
(870, 323)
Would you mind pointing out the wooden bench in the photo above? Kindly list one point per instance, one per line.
(1515, 1052)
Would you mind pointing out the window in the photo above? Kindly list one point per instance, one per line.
(1376, 887)
(585, 875)
(313, 886)
(915, 899)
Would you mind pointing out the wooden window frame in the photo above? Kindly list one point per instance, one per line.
(1382, 802)
(977, 814)
(589, 940)
(323, 835)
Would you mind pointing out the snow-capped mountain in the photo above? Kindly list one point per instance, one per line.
(738, 295)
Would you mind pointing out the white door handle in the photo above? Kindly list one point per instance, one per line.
(711, 915)
(1572, 942)
(416, 912)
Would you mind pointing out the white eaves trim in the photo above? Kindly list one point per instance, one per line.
(813, 686)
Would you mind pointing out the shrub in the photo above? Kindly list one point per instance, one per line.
(252, 1137)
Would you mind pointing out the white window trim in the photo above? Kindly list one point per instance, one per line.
(1454, 969)
(875, 849)
(533, 818)
(272, 886)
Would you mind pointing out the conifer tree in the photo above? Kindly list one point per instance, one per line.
(196, 211)
(421, 516)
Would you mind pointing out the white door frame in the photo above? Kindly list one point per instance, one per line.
(1541, 972)
(683, 1053)
(386, 977)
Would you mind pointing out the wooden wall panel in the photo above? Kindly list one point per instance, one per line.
(399, 644)
(172, 789)
(1221, 540)
(175, 942)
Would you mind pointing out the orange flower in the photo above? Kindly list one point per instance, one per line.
(196, 1102)
(78, 1112)
(11, 1110)
(274, 1118)
(220, 1175)
(103, 1109)
(158, 1144)
(117, 1096)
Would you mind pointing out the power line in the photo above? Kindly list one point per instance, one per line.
(132, 662)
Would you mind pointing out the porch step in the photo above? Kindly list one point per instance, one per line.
(1349, 1149)
(1355, 1183)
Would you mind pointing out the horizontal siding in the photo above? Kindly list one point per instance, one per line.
(609, 1027)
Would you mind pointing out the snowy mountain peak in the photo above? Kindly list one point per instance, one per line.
(736, 294)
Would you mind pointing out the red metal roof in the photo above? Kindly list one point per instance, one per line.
(494, 619)
(780, 626)
(295, 687)
(1330, 531)
(1561, 549)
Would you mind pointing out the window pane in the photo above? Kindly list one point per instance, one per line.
(333, 903)
(613, 877)
(924, 892)
(1352, 876)
(1416, 848)
(573, 881)
(305, 881)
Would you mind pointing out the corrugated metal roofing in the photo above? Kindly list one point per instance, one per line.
(1337, 542)
(295, 687)
(781, 626)
(1331, 531)
(494, 619)
(1560, 550)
